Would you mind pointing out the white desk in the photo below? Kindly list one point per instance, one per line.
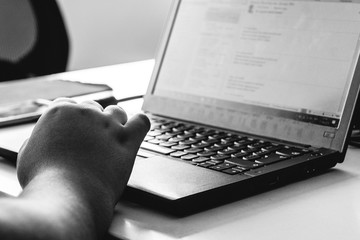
(322, 207)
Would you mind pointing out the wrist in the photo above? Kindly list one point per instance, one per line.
(77, 200)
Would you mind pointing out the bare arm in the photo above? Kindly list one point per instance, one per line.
(73, 170)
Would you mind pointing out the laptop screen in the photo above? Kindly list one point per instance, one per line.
(280, 68)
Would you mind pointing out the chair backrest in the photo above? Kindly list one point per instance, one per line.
(33, 39)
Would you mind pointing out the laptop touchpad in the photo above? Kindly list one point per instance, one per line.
(173, 179)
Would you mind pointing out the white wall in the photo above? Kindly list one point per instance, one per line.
(113, 31)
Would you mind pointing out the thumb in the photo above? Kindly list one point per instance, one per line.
(23, 146)
(137, 127)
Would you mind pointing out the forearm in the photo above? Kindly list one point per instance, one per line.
(54, 206)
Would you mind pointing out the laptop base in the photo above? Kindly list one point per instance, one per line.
(268, 178)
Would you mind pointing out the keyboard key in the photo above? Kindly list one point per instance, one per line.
(240, 154)
(243, 163)
(250, 150)
(181, 137)
(223, 166)
(198, 139)
(231, 171)
(156, 148)
(206, 154)
(251, 157)
(290, 151)
(188, 142)
(176, 139)
(207, 164)
(239, 169)
(200, 145)
(154, 133)
(178, 154)
(194, 130)
(219, 136)
(169, 125)
(211, 141)
(223, 144)
(155, 141)
(185, 136)
(216, 161)
(167, 144)
(200, 159)
(237, 147)
(147, 138)
(193, 150)
(228, 151)
(181, 128)
(189, 157)
(213, 148)
(231, 138)
(243, 142)
(259, 144)
(272, 158)
(206, 133)
(180, 147)
(164, 137)
(220, 157)
(261, 153)
(155, 126)
(272, 147)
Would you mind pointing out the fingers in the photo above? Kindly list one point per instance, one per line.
(87, 103)
(93, 104)
(116, 112)
(140, 123)
(137, 127)
(63, 100)
(23, 145)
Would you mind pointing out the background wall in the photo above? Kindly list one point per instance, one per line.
(113, 31)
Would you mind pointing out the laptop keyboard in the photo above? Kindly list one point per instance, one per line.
(217, 150)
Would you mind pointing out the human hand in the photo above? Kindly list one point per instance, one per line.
(94, 146)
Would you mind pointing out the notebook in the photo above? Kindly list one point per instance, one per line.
(20, 101)
(246, 95)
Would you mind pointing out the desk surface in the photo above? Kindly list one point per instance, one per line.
(323, 207)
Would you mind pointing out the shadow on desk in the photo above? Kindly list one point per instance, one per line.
(140, 218)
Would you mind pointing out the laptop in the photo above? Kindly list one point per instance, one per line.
(246, 96)
(275, 82)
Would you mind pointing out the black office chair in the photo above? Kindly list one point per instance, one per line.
(33, 39)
